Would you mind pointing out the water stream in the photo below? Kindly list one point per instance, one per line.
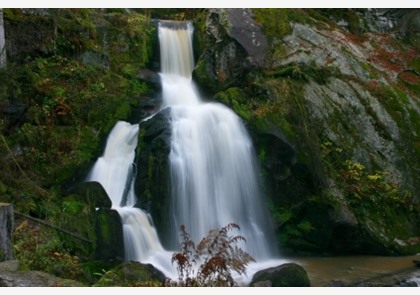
(214, 179)
(214, 174)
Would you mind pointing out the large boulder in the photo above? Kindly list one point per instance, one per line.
(152, 183)
(92, 193)
(11, 276)
(132, 274)
(109, 235)
(285, 275)
(237, 45)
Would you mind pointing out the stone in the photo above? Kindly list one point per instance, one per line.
(285, 275)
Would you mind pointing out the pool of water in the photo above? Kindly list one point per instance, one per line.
(322, 270)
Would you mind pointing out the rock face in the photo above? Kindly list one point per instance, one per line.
(11, 276)
(238, 44)
(109, 235)
(152, 185)
(334, 112)
(94, 194)
(285, 275)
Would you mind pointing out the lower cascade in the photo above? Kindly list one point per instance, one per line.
(214, 172)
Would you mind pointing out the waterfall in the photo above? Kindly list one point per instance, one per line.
(115, 171)
(214, 172)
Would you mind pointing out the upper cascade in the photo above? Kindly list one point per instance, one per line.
(176, 50)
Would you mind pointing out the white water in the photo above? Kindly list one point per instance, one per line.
(115, 171)
(213, 169)
(214, 173)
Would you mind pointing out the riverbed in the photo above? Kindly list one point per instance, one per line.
(345, 270)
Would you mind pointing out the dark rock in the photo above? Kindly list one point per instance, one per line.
(32, 35)
(93, 193)
(285, 275)
(235, 44)
(146, 107)
(152, 182)
(95, 59)
(242, 28)
(149, 76)
(109, 235)
(14, 113)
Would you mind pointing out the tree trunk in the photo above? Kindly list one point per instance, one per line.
(2, 42)
(6, 228)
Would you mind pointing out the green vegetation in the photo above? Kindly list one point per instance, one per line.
(40, 249)
(60, 95)
(72, 76)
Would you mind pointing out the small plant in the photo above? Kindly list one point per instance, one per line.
(219, 256)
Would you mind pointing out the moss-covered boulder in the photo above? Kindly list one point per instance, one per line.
(152, 185)
(285, 275)
(232, 43)
(109, 235)
(93, 193)
(132, 274)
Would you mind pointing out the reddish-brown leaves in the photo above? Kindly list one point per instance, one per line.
(219, 256)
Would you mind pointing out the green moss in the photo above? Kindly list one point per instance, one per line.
(236, 99)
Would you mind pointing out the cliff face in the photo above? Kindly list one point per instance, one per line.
(330, 97)
(334, 109)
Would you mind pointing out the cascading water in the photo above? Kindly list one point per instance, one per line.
(213, 168)
(115, 172)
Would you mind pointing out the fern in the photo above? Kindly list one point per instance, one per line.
(219, 256)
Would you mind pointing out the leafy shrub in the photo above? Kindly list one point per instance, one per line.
(219, 255)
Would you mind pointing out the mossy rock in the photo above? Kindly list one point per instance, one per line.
(93, 193)
(285, 275)
(109, 235)
(132, 274)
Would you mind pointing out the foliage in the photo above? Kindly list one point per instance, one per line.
(235, 98)
(373, 187)
(38, 248)
(218, 254)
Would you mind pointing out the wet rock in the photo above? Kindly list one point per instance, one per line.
(152, 184)
(237, 45)
(405, 278)
(149, 76)
(285, 275)
(93, 193)
(109, 235)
